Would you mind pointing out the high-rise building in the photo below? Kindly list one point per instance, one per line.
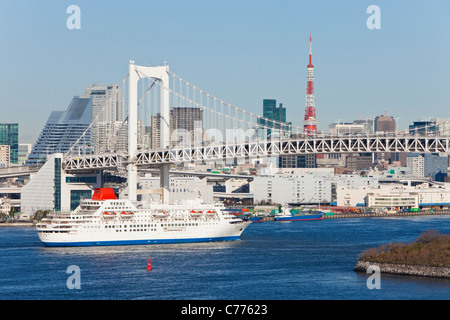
(278, 115)
(346, 128)
(443, 125)
(185, 122)
(385, 123)
(5, 156)
(156, 131)
(9, 136)
(284, 128)
(108, 113)
(94, 122)
(300, 161)
(427, 165)
(24, 151)
(423, 128)
(111, 137)
(107, 102)
(62, 130)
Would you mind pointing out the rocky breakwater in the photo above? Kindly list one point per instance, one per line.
(427, 256)
(404, 269)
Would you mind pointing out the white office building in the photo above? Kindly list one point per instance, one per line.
(181, 189)
(53, 189)
(292, 189)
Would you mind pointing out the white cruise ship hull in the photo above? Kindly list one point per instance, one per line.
(106, 221)
(156, 235)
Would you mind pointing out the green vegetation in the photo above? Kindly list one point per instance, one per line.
(431, 248)
(40, 214)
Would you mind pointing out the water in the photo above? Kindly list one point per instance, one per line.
(272, 261)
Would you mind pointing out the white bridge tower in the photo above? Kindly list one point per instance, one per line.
(162, 74)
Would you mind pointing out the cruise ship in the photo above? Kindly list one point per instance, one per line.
(105, 220)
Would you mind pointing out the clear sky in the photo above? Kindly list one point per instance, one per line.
(241, 51)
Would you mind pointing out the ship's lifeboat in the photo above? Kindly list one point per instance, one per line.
(211, 212)
(123, 213)
(109, 215)
(160, 214)
(196, 213)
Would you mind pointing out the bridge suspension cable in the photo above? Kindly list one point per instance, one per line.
(274, 123)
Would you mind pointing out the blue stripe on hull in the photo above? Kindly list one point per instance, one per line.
(135, 242)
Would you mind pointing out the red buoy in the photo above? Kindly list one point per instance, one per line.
(149, 264)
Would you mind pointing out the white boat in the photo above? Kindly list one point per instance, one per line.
(106, 220)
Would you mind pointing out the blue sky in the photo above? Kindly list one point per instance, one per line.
(241, 51)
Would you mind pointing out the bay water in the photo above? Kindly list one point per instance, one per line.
(303, 260)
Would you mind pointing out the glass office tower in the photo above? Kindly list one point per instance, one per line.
(9, 135)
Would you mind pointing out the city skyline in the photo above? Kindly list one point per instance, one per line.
(360, 73)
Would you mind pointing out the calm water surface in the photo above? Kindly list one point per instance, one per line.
(281, 261)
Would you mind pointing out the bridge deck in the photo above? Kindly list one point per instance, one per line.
(259, 149)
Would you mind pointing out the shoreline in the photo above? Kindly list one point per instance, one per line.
(334, 216)
(380, 215)
(405, 270)
(17, 224)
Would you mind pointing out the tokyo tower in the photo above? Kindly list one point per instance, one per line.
(310, 120)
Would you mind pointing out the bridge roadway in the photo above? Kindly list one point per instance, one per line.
(265, 148)
(19, 171)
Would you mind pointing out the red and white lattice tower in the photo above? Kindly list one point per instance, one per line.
(310, 121)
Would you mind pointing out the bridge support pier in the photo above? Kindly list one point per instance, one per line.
(165, 182)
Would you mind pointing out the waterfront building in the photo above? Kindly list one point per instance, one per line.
(356, 181)
(286, 190)
(9, 136)
(11, 194)
(395, 201)
(428, 193)
(53, 189)
(5, 206)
